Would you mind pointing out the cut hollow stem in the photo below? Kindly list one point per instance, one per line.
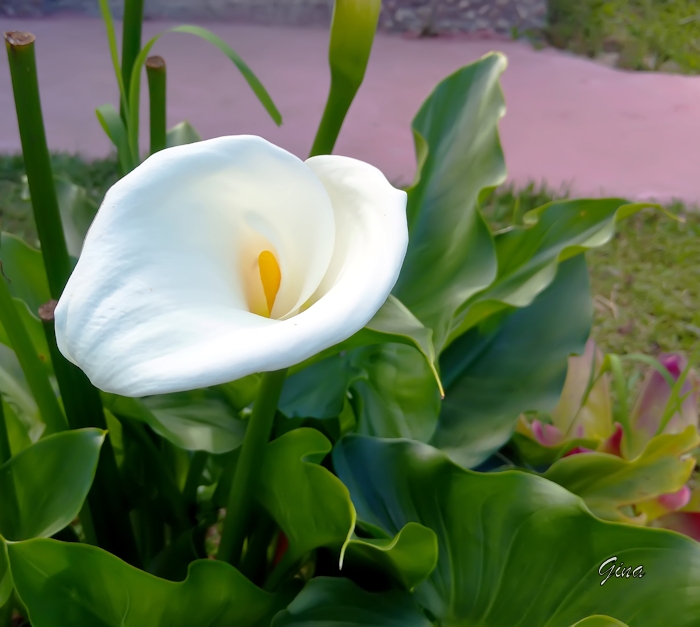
(155, 70)
(240, 502)
(20, 53)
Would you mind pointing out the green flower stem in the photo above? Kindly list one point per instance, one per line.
(254, 563)
(337, 107)
(5, 448)
(280, 571)
(158, 469)
(155, 69)
(194, 474)
(20, 52)
(106, 499)
(240, 501)
(131, 41)
(32, 367)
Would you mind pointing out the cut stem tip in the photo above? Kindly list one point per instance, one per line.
(19, 38)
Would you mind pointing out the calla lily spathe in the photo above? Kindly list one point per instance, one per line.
(230, 256)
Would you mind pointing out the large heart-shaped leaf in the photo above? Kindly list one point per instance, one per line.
(608, 482)
(394, 389)
(43, 488)
(66, 584)
(516, 549)
(335, 602)
(195, 421)
(393, 323)
(319, 390)
(492, 375)
(451, 252)
(399, 396)
(528, 256)
(313, 509)
(309, 503)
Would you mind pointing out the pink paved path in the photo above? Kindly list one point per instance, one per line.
(569, 120)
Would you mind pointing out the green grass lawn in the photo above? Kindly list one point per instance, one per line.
(640, 34)
(645, 282)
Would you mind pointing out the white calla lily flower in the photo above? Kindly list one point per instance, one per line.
(231, 256)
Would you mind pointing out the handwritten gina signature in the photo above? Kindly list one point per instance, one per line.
(609, 568)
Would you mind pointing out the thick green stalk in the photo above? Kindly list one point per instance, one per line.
(32, 367)
(20, 52)
(155, 69)
(131, 41)
(240, 501)
(80, 399)
(106, 499)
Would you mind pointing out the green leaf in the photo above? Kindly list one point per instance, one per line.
(516, 549)
(113, 125)
(203, 33)
(510, 365)
(24, 268)
(607, 482)
(398, 397)
(20, 435)
(21, 409)
(335, 602)
(77, 213)
(393, 323)
(528, 256)
(308, 502)
(599, 621)
(353, 26)
(393, 389)
(408, 558)
(451, 253)
(43, 488)
(29, 356)
(320, 390)
(75, 584)
(318, 387)
(113, 52)
(181, 134)
(195, 421)
(34, 329)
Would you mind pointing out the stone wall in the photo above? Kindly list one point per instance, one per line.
(418, 16)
